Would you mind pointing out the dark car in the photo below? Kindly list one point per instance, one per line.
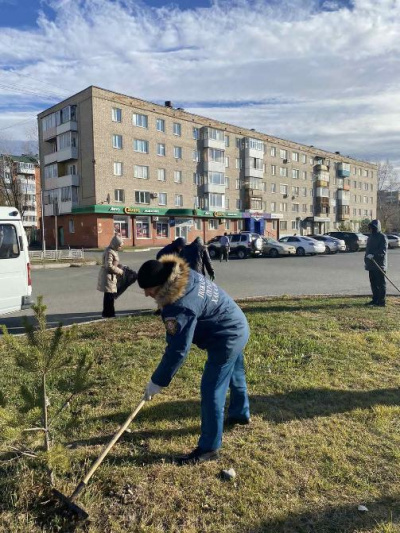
(354, 241)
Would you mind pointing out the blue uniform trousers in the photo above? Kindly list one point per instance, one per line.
(216, 379)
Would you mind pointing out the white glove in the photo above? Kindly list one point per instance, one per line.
(370, 256)
(151, 390)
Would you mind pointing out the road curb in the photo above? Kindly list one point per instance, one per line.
(61, 265)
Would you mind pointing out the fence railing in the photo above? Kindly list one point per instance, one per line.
(54, 255)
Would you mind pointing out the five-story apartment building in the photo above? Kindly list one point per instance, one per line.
(151, 172)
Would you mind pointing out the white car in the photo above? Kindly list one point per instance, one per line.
(305, 245)
(393, 241)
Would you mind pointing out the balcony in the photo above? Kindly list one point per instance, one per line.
(213, 138)
(343, 197)
(71, 125)
(321, 183)
(50, 133)
(343, 212)
(322, 192)
(250, 171)
(63, 208)
(322, 207)
(62, 181)
(214, 166)
(213, 188)
(343, 170)
(61, 155)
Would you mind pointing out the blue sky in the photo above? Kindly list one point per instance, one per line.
(321, 72)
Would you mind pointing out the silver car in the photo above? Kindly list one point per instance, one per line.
(332, 244)
(304, 245)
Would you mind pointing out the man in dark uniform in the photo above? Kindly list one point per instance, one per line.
(174, 248)
(195, 310)
(376, 251)
(197, 256)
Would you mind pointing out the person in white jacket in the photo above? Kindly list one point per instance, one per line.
(108, 275)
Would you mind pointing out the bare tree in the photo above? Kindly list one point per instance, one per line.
(388, 196)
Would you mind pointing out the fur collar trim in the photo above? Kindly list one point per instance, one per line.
(175, 286)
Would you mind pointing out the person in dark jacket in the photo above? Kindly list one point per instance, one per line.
(376, 252)
(174, 248)
(196, 254)
(195, 310)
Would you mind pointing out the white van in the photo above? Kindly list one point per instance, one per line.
(15, 269)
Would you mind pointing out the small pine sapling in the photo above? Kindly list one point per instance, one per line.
(42, 359)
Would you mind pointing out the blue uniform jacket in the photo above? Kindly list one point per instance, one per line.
(206, 316)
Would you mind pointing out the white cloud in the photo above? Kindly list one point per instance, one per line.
(332, 74)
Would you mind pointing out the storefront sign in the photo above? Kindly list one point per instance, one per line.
(131, 210)
(115, 209)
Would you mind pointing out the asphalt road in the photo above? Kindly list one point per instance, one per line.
(71, 296)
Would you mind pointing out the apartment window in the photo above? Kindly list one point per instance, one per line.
(304, 208)
(256, 203)
(140, 120)
(239, 163)
(160, 125)
(354, 171)
(283, 171)
(257, 163)
(141, 171)
(304, 158)
(216, 178)
(283, 154)
(283, 188)
(177, 152)
(256, 144)
(283, 207)
(196, 178)
(295, 208)
(273, 187)
(273, 151)
(50, 171)
(227, 203)
(226, 162)
(178, 176)
(162, 198)
(227, 182)
(238, 142)
(143, 227)
(296, 191)
(71, 225)
(161, 149)
(196, 133)
(283, 225)
(142, 197)
(139, 145)
(119, 195)
(116, 114)
(212, 223)
(178, 200)
(304, 191)
(365, 199)
(216, 200)
(117, 168)
(294, 224)
(237, 184)
(226, 140)
(295, 173)
(273, 207)
(371, 187)
(196, 202)
(359, 173)
(273, 170)
(238, 204)
(196, 155)
(355, 184)
(216, 155)
(295, 156)
(311, 209)
(117, 142)
(365, 186)
(311, 161)
(177, 129)
(161, 174)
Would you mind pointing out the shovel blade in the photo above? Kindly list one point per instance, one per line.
(72, 506)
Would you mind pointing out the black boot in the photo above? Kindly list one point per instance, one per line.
(197, 456)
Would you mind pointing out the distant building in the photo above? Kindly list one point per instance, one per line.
(116, 163)
(389, 210)
(24, 172)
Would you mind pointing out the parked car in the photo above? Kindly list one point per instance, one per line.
(304, 245)
(242, 245)
(273, 248)
(393, 240)
(354, 241)
(332, 244)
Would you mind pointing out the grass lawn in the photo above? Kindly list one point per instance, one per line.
(324, 383)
